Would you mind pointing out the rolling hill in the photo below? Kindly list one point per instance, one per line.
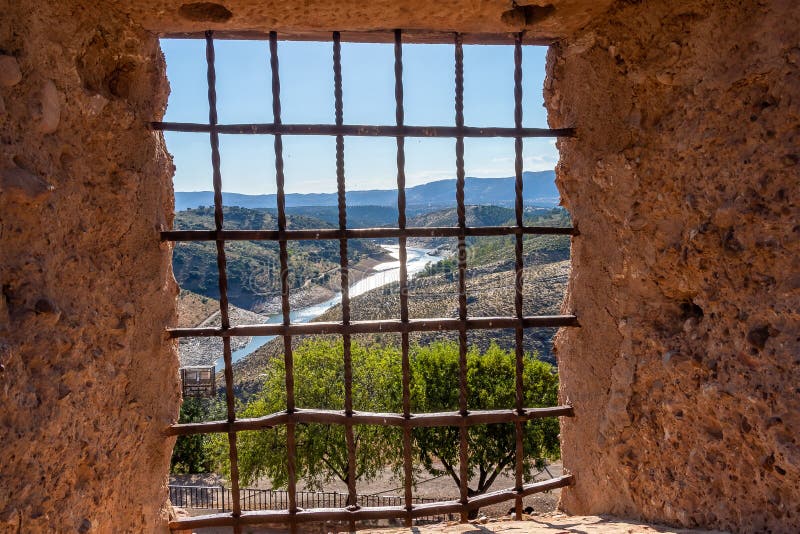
(434, 291)
(490, 292)
(538, 190)
(253, 266)
(492, 247)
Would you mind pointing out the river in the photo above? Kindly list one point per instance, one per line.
(386, 273)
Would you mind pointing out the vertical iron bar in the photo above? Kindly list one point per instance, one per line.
(343, 262)
(284, 261)
(518, 272)
(462, 277)
(401, 224)
(221, 266)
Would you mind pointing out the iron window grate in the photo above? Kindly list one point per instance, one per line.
(463, 418)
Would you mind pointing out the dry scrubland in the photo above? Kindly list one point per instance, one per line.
(490, 292)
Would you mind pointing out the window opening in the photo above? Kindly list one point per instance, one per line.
(352, 509)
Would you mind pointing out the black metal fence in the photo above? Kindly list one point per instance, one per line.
(220, 498)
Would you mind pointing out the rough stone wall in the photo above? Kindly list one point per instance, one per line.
(684, 182)
(540, 19)
(88, 381)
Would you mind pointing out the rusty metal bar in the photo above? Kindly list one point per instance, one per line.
(361, 130)
(339, 417)
(416, 36)
(230, 401)
(362, 233)
(352, 496)
(441, 324)
(518, 279)
(495, 497)
(284, 261)
(401, 224)
(463, 457)
(368, 513)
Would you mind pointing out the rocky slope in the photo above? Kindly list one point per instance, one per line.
(253, 267)
(490, 290)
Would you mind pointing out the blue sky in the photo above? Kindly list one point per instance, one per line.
(244, 95)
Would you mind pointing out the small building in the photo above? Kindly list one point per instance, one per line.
(198, 381)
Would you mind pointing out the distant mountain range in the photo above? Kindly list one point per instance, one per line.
(539, 189)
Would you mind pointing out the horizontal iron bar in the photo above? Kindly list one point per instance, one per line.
(498, 496)
(379, 326)
(361, 130)
(360, 233)
(411, 36)
(333, 417)
(367, 513)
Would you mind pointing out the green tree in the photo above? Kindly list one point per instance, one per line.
(319, 383)
(191, 454)
(491, 385)
(321, 450)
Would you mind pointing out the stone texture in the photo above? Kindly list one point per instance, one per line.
(553, 18)
(10, 75)
(88, 382)
(46, 108)
(22, 186)
(684, 182)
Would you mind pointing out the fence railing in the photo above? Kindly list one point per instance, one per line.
(219, 498)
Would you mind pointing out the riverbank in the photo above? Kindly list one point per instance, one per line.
(490, 290)
(315, 294)
(306, 304)
(202, 351)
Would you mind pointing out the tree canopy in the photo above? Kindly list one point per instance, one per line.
(491, 385)
(377, 386)
(190, 454)
(319, 383)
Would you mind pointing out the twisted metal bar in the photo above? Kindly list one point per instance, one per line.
(462, 276)
(361, 233)
(230, 402)
(345, 284)
(363, 130)
(440, 324)
(369, 513)
(401, 224)
(417, 36)
(518, 277)
(333, 417)
(291, 446)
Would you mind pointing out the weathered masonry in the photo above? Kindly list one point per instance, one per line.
(682, 176)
